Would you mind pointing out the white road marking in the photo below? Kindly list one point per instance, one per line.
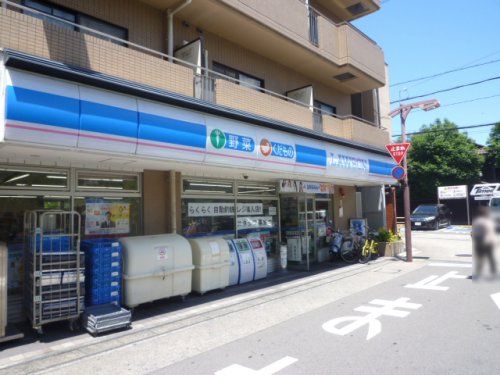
(432, 282)
(457, 265)
(496, 298)
(271, 369)
(388, 308)
(414, 252)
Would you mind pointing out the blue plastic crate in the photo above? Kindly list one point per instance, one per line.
(53, 243)
(104, 282)
(101, 295)
(103, 270)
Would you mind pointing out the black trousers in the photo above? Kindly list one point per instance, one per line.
(484, 252)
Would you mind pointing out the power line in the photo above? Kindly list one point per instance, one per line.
(470, 100)
(444, 73)
(448, 89)
(447, 130)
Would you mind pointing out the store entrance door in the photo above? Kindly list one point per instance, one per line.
(306, 223)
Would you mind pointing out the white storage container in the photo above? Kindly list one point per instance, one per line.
(211, 263)
(155, 267)
(234, 264)
(245, 256)
(259, 258)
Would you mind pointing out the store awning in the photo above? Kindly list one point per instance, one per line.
(484, 192)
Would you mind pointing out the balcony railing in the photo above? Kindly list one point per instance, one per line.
(87, 48)
(341, 43)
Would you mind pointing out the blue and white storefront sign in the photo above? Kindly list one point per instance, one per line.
(294, 186)
(46, 112)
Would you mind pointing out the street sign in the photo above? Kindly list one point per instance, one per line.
(398, 172)
(452, 192)
(398, 151)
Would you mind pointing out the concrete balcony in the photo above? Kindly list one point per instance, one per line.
(338, 55)
(44, 39)
(348, 10)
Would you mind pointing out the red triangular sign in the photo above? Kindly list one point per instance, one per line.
(398, 151)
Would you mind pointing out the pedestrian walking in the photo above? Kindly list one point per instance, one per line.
(483, 239)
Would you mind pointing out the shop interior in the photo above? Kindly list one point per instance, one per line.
(256, 220)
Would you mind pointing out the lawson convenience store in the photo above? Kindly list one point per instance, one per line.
(134, 164)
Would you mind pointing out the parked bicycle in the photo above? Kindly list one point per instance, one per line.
(359, 247)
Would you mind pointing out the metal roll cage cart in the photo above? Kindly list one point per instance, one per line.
(54, 267)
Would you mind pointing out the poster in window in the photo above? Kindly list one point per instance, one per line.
(107, 218)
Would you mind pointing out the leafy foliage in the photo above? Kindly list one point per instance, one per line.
(494, 145)
(385, 235)
(441, 156)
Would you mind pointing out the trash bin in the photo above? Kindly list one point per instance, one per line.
(245, 258)
(234, 264)
(211, 263)
(259, 258)
(155, 267)
(283, 255)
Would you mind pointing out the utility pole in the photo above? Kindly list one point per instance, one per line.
(406, 193)
(404, 111)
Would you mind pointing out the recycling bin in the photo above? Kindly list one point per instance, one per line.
(245, 258)
(234, 264)
(155, 267)
(211, 263)
(259, 258)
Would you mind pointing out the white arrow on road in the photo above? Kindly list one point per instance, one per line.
(271, 369)
(496, 298)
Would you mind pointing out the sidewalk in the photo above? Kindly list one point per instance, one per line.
(167, 337)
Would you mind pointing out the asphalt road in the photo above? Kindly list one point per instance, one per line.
(452, 326)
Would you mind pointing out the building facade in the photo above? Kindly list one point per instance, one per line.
(202, 117)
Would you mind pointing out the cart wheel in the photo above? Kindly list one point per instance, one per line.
(39, 331)
(73, 325)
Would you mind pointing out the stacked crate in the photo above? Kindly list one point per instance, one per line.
(103, 271)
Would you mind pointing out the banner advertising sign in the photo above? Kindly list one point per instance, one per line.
(483, 192)
(201, 209)
(254, 222)
(293, 186)
(107, 218)
(452, 192)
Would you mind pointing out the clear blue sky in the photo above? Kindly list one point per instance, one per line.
(424, 37)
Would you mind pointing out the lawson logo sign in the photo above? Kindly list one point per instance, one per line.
(347, 162)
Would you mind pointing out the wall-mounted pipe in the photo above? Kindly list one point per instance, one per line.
(170, 21)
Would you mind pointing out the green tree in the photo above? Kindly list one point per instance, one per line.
(493, 145)
(441, 156)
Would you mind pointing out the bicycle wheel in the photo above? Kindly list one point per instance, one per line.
(366, 252)
(348, 252)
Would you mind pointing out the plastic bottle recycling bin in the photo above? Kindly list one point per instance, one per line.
(155, 267)
(259, 258)
(234, 264)
(245, 257)
(211, 263)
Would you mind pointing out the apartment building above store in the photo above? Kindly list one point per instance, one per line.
(125, 40)
(309, 36)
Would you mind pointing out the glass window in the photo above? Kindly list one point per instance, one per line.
(250, 81)
(12, 208)
(109, 216)
(13, 178)
(259, 218)
(325, 109)
(246, 79)
(102, 26)
(203, 217)
(194, 186)
(53, 11)
(107, 181)
(256, 189)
